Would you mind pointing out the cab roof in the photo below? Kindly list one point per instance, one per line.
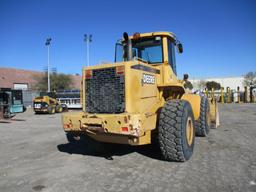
(158, 33)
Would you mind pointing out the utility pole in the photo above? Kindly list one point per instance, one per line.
(87, 40)
(47, 43)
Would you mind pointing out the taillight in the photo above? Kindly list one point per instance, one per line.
(88, 74)
(125, 129)
(120, 70)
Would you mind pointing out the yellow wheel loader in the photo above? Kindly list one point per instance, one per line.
(47, 103)
(138, 99)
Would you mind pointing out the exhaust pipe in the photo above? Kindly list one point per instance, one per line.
(128, 47)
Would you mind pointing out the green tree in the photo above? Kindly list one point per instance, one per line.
(58, 82)
(250, 78)
(213, 84)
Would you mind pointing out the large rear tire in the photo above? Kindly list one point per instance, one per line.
(59, 109)
(176, 130)
(203, 124)
(51, 109)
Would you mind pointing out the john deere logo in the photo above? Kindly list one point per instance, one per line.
(148, 79)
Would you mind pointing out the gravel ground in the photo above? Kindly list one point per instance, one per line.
(35, 156)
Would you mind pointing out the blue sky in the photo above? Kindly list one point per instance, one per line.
(218, 36)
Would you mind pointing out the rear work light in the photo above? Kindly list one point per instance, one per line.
(88, 74)
(120, 70)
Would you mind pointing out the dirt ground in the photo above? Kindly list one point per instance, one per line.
(35, 156)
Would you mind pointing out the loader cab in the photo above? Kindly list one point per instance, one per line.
(151, 48)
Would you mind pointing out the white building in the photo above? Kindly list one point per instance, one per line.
(231, 82)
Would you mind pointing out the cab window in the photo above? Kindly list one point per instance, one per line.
(148, 49)
(171, 55)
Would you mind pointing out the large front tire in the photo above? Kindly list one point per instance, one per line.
(176, 130)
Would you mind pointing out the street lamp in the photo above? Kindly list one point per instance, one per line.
(47, 43)
(87, 40)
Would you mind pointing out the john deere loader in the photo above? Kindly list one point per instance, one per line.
(47, 103)
(139, 99)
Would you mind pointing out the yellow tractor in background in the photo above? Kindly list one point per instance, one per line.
(138, 99)
(47, 103)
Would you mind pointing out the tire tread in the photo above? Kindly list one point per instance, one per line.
(170, 130)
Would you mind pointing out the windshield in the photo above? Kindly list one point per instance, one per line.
(147, 49)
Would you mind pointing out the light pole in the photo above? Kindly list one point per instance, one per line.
(47, 43)
(87, 40)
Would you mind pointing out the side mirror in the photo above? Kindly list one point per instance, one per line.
(179, 47)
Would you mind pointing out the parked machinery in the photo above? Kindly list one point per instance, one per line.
(138, 99)
(47, 103)
(11, 102)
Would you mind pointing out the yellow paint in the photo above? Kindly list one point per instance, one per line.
(206, 92)
(214, 112)
(228, 95)
(45, 99)
(212, 93)
(190, 131)
(194, 101)
(143, 102)
(222, 95)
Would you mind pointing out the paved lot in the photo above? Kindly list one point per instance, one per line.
(36, 157)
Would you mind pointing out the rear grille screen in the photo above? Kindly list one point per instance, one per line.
(105, 92)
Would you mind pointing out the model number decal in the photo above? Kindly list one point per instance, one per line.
(148, 79)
